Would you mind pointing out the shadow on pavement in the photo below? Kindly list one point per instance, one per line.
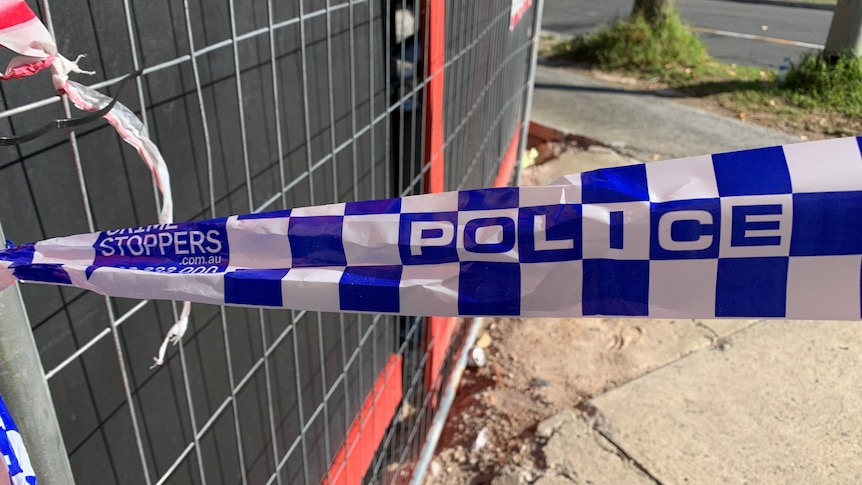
(694, 91)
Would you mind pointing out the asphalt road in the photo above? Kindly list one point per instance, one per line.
(573, 17)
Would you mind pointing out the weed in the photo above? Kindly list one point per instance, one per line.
(669, 50)
(819, 96)
(818, 82)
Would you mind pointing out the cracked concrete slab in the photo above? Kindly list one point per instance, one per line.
(575, 453)
(780, 403)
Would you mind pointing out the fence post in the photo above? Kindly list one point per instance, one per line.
(531, 81)
(25, 390)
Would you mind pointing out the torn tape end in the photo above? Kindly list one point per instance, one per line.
(174, 335)
(61, 67)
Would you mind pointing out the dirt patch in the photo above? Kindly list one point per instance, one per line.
(538, 367)
(818, 125)
(775, 114)
(550, 143)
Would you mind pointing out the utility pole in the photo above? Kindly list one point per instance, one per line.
(845, 33)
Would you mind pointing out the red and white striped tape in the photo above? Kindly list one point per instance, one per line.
(23, 32)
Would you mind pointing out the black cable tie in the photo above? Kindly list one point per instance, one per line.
(62, 123)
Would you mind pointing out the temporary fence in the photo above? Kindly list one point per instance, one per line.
(256, 106)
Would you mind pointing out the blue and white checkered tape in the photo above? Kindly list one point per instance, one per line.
(12, 447)
(770, 232)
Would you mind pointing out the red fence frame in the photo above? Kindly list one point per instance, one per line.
(357, 452)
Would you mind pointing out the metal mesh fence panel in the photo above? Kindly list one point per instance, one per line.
(486, 75)
(256, 105)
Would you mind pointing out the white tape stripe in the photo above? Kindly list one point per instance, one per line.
(761, 38)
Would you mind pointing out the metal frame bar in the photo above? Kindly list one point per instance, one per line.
(26, 392)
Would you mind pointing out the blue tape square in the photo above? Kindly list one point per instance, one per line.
(563, 228)
(685, 229)
(45, 273)
(385, 206)
(265, 215)
(617, 184)
(370, 289)
(22, 254)
(489, 288)
(434, 243)
(260, 287)
(751, 287)
(484, 199)
(165, 245)
(752, 172)
(316, 241)
(826, 224)
(616, 287)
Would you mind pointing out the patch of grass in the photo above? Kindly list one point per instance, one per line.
(669, 51)
(817, 82)
(819, 96)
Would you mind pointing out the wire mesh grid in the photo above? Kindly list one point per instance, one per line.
(256, 105)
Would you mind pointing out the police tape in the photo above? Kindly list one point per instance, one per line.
(15, 458)
(770, 232)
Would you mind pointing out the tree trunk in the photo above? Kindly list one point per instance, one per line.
(655, 11)
(845, 33)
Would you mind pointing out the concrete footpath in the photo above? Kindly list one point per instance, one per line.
(769, 402)
(639, 123)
